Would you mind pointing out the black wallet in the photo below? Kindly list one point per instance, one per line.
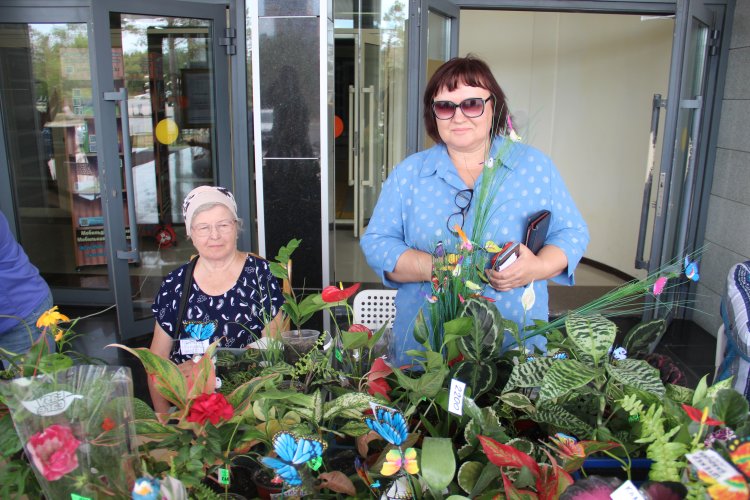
(536, 231)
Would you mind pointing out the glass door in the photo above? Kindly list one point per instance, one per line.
(370, 118)
(164, 130)
(437, 44)
(678, 182)
(48, 136)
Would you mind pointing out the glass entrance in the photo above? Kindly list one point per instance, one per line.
(50, 136)
(370, 122)
(168, 117)
(679, 182)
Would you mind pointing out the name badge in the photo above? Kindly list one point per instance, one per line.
(192, 346)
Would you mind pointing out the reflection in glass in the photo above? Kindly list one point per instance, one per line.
(51, 137)
(370, 113)
(165, 63)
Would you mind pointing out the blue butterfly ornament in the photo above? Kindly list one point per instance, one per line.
(292, 452)
(200, 331)
(389, 423)
(691, 270)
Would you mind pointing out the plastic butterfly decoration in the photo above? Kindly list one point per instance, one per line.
(691, 270)
(395, 460)
(200, 331)
(465, 241)
(364, 474)
(389, 423)
(620, 353)
(292, 453)
(568, 446)
(659, 285)
(391, 426)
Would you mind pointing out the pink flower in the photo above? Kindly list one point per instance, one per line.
(213, 407)
(53, 451)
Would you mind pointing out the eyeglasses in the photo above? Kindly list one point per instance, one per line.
(472, 107)
(463, 202)
(222, 227)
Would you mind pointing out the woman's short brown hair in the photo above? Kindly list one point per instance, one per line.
(470, 71)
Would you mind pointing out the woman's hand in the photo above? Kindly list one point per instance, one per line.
(528, 267)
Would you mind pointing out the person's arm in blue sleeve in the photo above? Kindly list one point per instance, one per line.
(384, 242)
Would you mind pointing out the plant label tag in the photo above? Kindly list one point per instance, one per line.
(223, 476)
(73, 496)
(192, 346)
(52, 403)
(456, 397)
(627, 491)
(712, 464)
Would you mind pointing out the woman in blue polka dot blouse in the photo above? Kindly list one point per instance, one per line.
(431, 191)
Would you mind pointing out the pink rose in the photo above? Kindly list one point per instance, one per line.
(53, 451)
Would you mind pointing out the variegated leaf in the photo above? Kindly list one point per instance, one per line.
(641, 335)
(565, 376)
(593, 335)
(529, 374)
(349, 405)
(563, 420)
(518, 401)
(638, 374)
(480, 376)
(679, 394)
(484, 340)
(468, 474)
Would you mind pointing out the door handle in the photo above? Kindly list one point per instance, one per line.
(656, 103)
(122, 96)
(352, 140)
(370, 92)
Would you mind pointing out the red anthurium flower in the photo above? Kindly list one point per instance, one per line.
(358, 327)
(379, 386)
(336, 294)
(455, 360)
(699, 416)
(376, 382)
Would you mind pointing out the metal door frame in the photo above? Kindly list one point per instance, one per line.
(108, 153)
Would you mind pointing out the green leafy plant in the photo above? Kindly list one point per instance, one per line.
(575, 389)
(206, 432)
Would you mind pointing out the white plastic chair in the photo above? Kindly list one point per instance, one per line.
(373, 308)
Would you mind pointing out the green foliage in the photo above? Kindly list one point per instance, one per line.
(438, 464)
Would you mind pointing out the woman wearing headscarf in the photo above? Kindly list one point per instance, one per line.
(233, 297)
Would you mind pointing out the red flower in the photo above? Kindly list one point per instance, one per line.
(358, 327)
(53, 451)
(700, 416)
(213, 407)
(376, 382)
(455, 360)
(336, 294)
(379, 386)
(108, 424)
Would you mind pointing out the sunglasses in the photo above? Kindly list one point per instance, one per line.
(472, 107)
